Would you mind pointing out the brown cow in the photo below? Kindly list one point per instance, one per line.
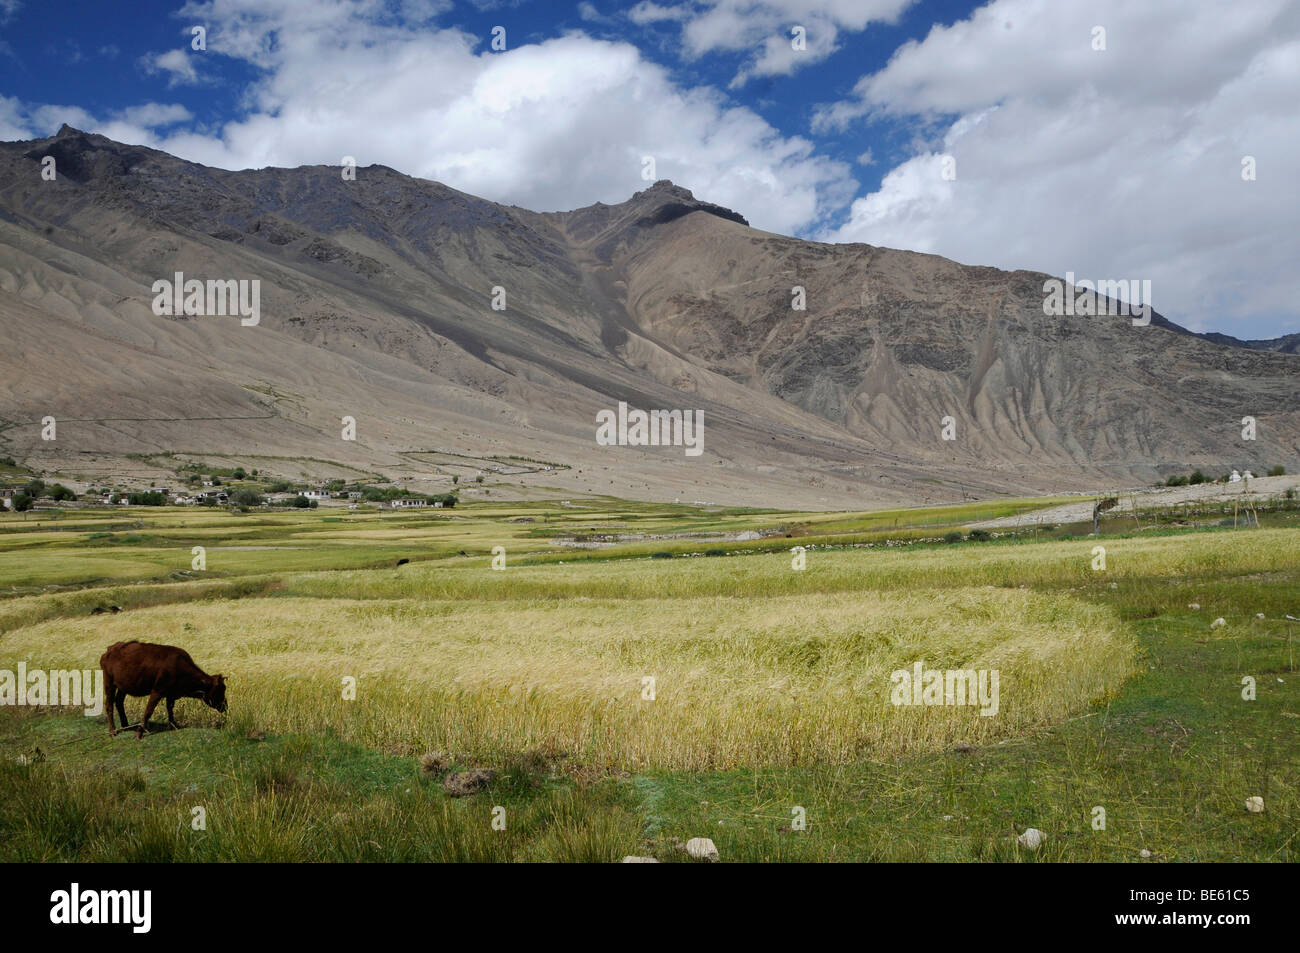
(159, 671)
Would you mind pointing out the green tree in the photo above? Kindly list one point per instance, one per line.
(21, 502)
(246, 498)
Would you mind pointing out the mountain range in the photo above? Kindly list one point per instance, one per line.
(467, 337)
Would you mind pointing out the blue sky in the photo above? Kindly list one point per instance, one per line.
(1005, 133)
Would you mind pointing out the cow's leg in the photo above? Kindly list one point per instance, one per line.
(154, 698)
(121, 707)
(110, 695)
(171, 718)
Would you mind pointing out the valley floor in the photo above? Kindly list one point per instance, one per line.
(1130, 718)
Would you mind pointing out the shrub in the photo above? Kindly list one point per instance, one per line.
(59, 493)
(1278, 470)
(21, 502)
(953, 537)
(980, 535)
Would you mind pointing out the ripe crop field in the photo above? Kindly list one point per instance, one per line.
(637, 675)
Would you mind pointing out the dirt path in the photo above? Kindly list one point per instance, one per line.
(1259, 488)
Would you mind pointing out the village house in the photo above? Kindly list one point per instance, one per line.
(407, 503)
(319, 493)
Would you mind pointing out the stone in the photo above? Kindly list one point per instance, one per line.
(702, 848)
(1031, 839)
(1255, 805)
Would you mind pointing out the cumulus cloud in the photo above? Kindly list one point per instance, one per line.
(1118, 163)
(176, 65)
(137, 124)
(14, 122)
(553, 125)
(766, 28)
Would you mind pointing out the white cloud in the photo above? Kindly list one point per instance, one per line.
(1115, 164)
(648, 11)
(135, 124)
(14, 122)
(765, 27)
(176, 65)
(155, 115)
(555, 125)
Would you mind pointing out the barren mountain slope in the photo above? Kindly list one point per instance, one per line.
(376, 303)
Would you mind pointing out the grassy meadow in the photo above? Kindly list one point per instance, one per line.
(637, 676)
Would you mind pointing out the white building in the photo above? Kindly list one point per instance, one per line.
(407, 502)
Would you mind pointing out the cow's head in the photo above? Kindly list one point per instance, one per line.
(216, 693)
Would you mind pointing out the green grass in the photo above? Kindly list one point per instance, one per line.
(280, 798)
(535, 672)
